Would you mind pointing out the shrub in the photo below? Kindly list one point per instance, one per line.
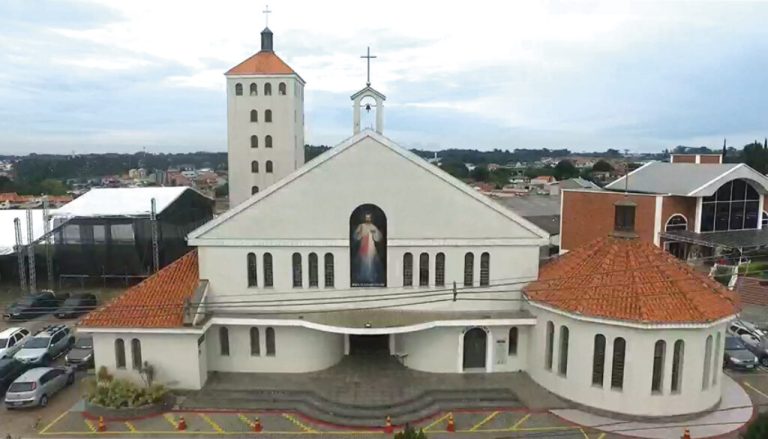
(118, 393)
(758, 429)
(410, 433)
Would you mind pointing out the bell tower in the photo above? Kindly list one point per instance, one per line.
(368, 100)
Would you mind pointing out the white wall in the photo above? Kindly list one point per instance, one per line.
(176, 358)
(296, 350)
(636, 397)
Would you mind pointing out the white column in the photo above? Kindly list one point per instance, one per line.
(356, 116)
(760, 208)
(697, 219)
(656, 220)
(379, 115)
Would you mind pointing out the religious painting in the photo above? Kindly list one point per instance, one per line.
(368, 246)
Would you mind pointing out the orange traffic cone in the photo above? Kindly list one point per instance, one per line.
(388, 426)
(101, 426)
(451, 425)
(182, 425)
(686, 434)
(256, 425)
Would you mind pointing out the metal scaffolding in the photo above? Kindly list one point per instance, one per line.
(20, 255)
(47, 236)
(31, 253)
(155, 237)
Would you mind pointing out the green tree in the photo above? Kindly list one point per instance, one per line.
(602, 166)
(480, 173)
(564, 170)
(538, 172)
(455, 168)
(223, 190)
(501, 177)
(51, 186)
(757, 429)
(756, 156)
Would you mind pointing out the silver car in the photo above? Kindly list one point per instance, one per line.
(35, 386)
(48, 344)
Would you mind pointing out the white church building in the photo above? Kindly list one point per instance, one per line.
(370, 249)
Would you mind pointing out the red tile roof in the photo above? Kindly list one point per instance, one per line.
(262, 63)
(157, 302)
(630, 280)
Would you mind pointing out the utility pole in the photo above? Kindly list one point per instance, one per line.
(20, 255)
(47, 234)
(31, 254)
(155, 244)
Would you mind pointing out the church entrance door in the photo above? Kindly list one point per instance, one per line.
(369, 344)
(475, 341)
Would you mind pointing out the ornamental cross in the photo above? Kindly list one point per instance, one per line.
(266, 12)
(368, 58)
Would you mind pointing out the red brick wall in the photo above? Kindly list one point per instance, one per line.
(683, 158)
(710, 159)
(683, 205)
(587, 216)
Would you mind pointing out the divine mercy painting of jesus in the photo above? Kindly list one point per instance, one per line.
(368, 247)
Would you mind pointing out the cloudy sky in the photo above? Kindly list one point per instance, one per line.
(113, 75)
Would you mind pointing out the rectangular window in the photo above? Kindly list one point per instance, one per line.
(625, 219)
(424, 270)
(121, 232)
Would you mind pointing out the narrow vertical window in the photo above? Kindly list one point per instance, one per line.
(313, 275)
(424, 269)
(268, 142)
(562, 365)
(120, 353)
(440, 269)
(224, 341)
(512, 342)
(329, 271)
(255, 167)
(268, 270)
(255, 346)
(254, 89)
(407, 270)
(485, 269)
(617, 366)
(254, 116)
(269, 166)
(296, 270)
(254, 141)
(252, 277)
(657, 376)
(717, 360)
(550, 345)
(281, 89)
(707, 363)
(254, 190)
(677, 366)
(238, 89)
(270, 342)
(598, 361)
(136, 353)
(469, 269)
(268, 116)
(267, 89)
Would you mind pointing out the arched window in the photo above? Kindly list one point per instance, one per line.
(313, 275)
(296, 270)
(268, 142)
(270, 342)
(267, 89)
(254, 89)
(268, 116)
(407, 270)
(254, 190)
(717, 360)
(598, 361)
(562, 365)
(281, 90)
(676, 248)
(120, 353)
(550, 345)
(268, 269)
(252, 277)
(424, 269)
(238, 89)
(255, 346)
(676, 222)
(485, 269)
(329, 273)
(469, 269)
(512, 342)
(254, 116)
(254, 141)
(269, 166)
(440, 269)
(617, 365)
(707, 363)
(255, 167)
(657, 376)
(735, 206)
(136, 352)
(677, 366)
(224, 341)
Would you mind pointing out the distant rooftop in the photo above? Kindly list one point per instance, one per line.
(532, 204)
(121, 201)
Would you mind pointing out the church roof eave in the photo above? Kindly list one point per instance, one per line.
(368, 89)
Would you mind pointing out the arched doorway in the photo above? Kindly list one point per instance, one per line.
(676, 248)
(475, 341)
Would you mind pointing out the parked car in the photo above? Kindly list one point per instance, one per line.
(35, 386)
(737, 356)
(10, 369)
(81, 354)
(77, 305)
(47, 345)
(11, 341)
(34, 305)
(748, 332)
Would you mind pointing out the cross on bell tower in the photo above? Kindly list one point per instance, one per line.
(368, 58)
(266, 13)
(368, 92)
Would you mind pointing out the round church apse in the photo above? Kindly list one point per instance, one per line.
(368, 247)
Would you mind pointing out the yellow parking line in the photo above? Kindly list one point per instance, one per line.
(246, 420)
(520, 422)
(602, 435)
(438, 421)
(548, 428)
(586, 436)
(90, 425)
(131, 427)
(168, 417)
(47, 427)
(755, 390)
(484, 421)
(210, 422)
(299, 423)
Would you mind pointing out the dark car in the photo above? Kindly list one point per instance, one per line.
(31, 306)
(77, 305)
(10, 369)
(81, 354)
(737, 356)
